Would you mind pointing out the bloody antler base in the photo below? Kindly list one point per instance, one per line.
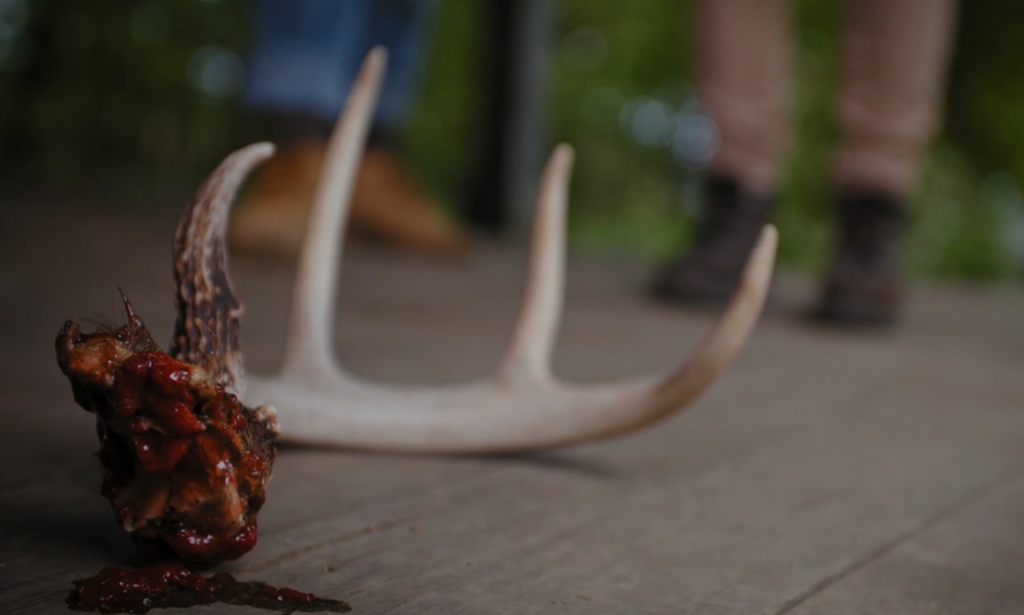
(185, 464)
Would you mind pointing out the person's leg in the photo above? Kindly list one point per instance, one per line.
(403, 27)
(305, 56)
(298, 76)
(894, 63)
(388, 201)
(743, 79)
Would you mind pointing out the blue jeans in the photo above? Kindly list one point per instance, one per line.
(307, 53)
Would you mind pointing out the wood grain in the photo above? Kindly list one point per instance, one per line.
(828, 472)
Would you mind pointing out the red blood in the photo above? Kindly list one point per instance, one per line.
(185, 464)
(117, 590)
(159, 385)
(244, 540)
(157, 453)
(191, 544)
(197, 546)
(166, 585)
(154, 396)
(286, 593)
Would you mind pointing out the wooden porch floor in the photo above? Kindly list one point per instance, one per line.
(827, 472)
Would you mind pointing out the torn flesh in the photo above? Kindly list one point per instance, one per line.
(185, 464)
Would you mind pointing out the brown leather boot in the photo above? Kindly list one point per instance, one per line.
(388, 203)
(733, 217)
(865, 284)
(272, 218)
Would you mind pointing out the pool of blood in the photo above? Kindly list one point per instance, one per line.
(172, 585)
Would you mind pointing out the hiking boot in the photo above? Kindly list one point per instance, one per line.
(732, 219)
(865, 283)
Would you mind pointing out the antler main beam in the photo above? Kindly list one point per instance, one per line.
(521, 407)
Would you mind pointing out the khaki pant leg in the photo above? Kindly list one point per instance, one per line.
(895, 54)
(743, 78)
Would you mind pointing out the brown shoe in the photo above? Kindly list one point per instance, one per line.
(389, 204)
(865, 284)
(272, 218)
(733, 217)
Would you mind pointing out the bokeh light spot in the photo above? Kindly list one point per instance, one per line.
(216, 71)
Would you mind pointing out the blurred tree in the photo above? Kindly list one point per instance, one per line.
(985, 94)
(146, 92)
(126, 89)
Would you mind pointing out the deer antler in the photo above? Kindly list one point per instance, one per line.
(521, 407)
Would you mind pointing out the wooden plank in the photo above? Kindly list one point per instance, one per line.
(966, 562)
(819, 457)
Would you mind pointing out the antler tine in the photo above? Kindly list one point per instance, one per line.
(528, 359)
(484, 417)
(725, 340)
(311, 327)
(207, 328)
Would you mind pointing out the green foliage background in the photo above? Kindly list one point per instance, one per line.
(106, 91)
